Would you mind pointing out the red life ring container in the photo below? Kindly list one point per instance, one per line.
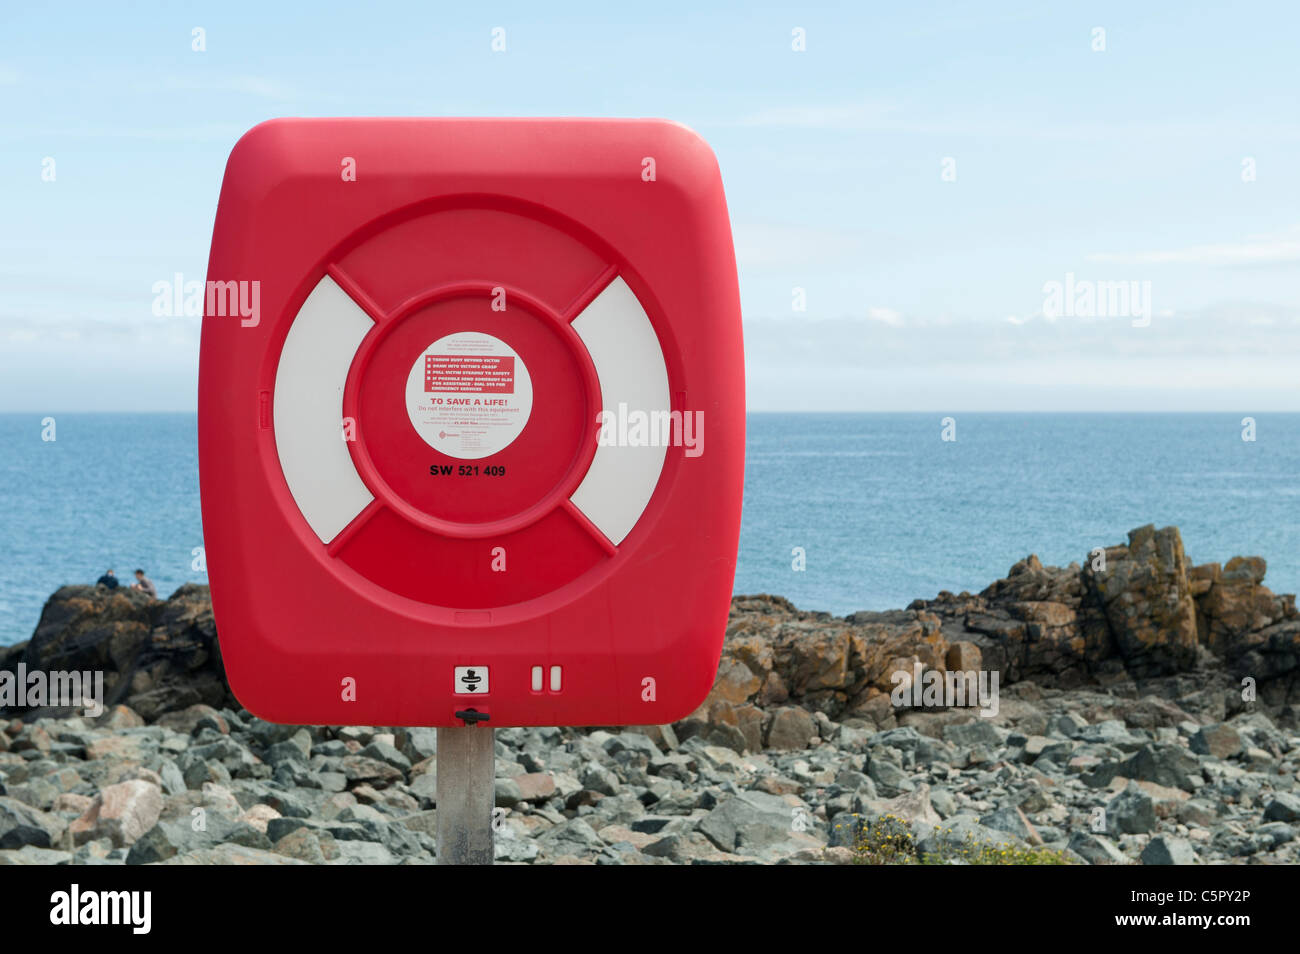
(471, 421)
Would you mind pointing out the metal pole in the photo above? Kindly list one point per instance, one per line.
(466, 794)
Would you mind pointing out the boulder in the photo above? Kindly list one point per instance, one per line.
(121, 813)
(791, 727)
(1168, 850)
(22, 825)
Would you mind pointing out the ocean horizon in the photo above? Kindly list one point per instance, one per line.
(879, 509)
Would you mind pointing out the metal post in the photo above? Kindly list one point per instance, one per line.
(466, 794)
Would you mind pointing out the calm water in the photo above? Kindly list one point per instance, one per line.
(884, 510)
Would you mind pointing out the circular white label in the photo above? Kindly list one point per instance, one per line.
(469, 395)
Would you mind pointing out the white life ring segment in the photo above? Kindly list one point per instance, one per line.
(308, 409)
(630, 365)
(313, 369)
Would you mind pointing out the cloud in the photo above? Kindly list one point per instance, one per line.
(1257, 250)
(1225, 357)
(886, 316)
(45, 334)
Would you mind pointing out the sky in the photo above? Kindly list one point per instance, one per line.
(905, 189)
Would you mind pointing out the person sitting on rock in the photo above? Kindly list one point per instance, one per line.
(108, 580)
(144, 584)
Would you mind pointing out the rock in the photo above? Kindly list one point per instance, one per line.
(535, 786)
(31, 855)
(385, 752)
(596, 778)
(963, 656)
(1273, 835)
(121, 813)
(1196, 813)
(120, 717)
(1168, 850)
(71, 802)
(1012, 821)
(231, 855)
(1131, 812)
(186, 720)
(358, 768)
(1095, 849)
(21, 825)
(507, 793)
(167, 839)
(979, 732)
(306, 845)
(1220, 741)
(961, 831)
(736, 682)
(888, 777)
(1165, 764)
(1148, 604)
(687, 848)
(792, 728)
(156, 656)
(573, 837)
(750, 822)
(915, 808)
(1284, 807)
(798, 735)
(258, 816)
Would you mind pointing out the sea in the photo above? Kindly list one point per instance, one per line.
(842, 512)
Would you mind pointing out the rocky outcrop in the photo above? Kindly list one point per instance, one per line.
(1137, 620)
(1146, 714)
(1143, 591)
(158, 655)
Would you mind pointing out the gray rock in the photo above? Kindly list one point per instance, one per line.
(363, 853)
(31, 855)
(573, 837)
(511, 848)
(631, 742)
(231, 855)
(1285, 807)
(596, 778)
(286, 751)
(1095, 849)
(1012, 821)
(749, 821)
(1197, 813)
(1110, 732)
(1131, 812)
(1165, 764)
(384, 752)
(507, 793)
(1273, 835)
(1219, 740)
(961, 831)
(888, 776)
(418, 744)
(21, 824)
(1168, 850)
(979, 732)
